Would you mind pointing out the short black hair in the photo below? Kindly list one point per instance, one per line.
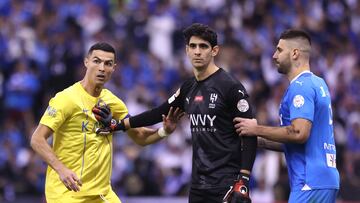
(202, 31)
(103, 46)
(294, 33)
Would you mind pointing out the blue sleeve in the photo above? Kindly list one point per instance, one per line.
(302, 101)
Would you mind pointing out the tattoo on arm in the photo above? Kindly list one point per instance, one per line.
(291, 130)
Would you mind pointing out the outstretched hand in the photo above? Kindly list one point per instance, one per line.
(245, 126)
(171, 119)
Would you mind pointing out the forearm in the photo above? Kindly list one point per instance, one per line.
(248, 153)
(144, 136)
(147, 118)
(41, 147)
(269, 145)
(287, 134)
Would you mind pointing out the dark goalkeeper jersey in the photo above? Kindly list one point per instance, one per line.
(211, 105)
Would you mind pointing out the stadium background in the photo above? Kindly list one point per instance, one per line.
(42, 44)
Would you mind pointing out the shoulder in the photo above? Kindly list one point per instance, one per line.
(66, 96)
(110, 97)
(231, 83)
(188, 83)
(302, 89)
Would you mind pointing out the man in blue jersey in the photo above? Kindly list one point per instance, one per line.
(306, 124)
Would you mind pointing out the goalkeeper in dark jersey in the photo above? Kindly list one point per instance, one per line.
(222, 161)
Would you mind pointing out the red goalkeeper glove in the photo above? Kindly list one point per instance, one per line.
(108, 124)
(239, 192)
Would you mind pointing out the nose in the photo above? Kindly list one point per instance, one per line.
(275, 56)
(197, 51)
(102, 66)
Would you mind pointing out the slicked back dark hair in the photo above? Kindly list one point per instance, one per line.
(294, 33)
(103, 46)
(202, 31)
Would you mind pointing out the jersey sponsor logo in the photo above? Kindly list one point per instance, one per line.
(298, 101)
(51, 111)
(202, 123)
(202, 120)
(298, 82)
(328, 146)
(173, 97)
(213, 98)
(199, 98)
(331, 160)
(84, 127)
(243, 105)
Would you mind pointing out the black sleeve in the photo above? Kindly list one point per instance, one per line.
(154, 115)
(241, 107)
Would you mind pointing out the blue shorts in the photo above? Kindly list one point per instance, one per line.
(314, 196)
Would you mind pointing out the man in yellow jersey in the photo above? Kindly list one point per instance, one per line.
(80, 161)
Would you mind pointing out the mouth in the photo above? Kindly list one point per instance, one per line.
(100, 77)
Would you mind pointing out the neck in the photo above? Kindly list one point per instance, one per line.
(202, 74)
(91, 88)
(297, 69)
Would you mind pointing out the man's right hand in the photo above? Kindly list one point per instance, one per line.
(69, 179)
(104, 116)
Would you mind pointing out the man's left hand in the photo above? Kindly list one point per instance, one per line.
(239, 192)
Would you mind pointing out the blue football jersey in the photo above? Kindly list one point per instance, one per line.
(311, 165)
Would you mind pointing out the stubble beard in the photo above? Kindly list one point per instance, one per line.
(284, 68)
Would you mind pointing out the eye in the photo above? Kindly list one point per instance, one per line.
(193, 46)
(97, 61)
(204, 46)
(109, 63)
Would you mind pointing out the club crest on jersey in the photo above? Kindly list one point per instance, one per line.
(243, 105)
(298, 101)
(213, 98)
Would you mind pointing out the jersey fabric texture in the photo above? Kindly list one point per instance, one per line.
(218, 152)
(311, 165)
(314, 196)
(75, 142)
(111, 197)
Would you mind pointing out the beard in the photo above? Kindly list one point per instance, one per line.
(284, 66)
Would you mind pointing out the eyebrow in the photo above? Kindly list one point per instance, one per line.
(200, 44)
(111, 60)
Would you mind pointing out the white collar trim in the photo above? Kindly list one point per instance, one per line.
(296, 77)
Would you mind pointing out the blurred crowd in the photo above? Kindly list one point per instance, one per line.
(43, 43)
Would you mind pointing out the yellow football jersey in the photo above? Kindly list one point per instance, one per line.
(75, 142)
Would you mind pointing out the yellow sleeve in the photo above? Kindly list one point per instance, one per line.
(57, 112)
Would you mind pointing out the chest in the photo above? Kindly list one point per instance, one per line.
(205, 100)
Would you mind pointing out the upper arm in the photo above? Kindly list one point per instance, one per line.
(301, 101)
(303, 128)
(58, 110)
(239, 101)
(42, 132)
